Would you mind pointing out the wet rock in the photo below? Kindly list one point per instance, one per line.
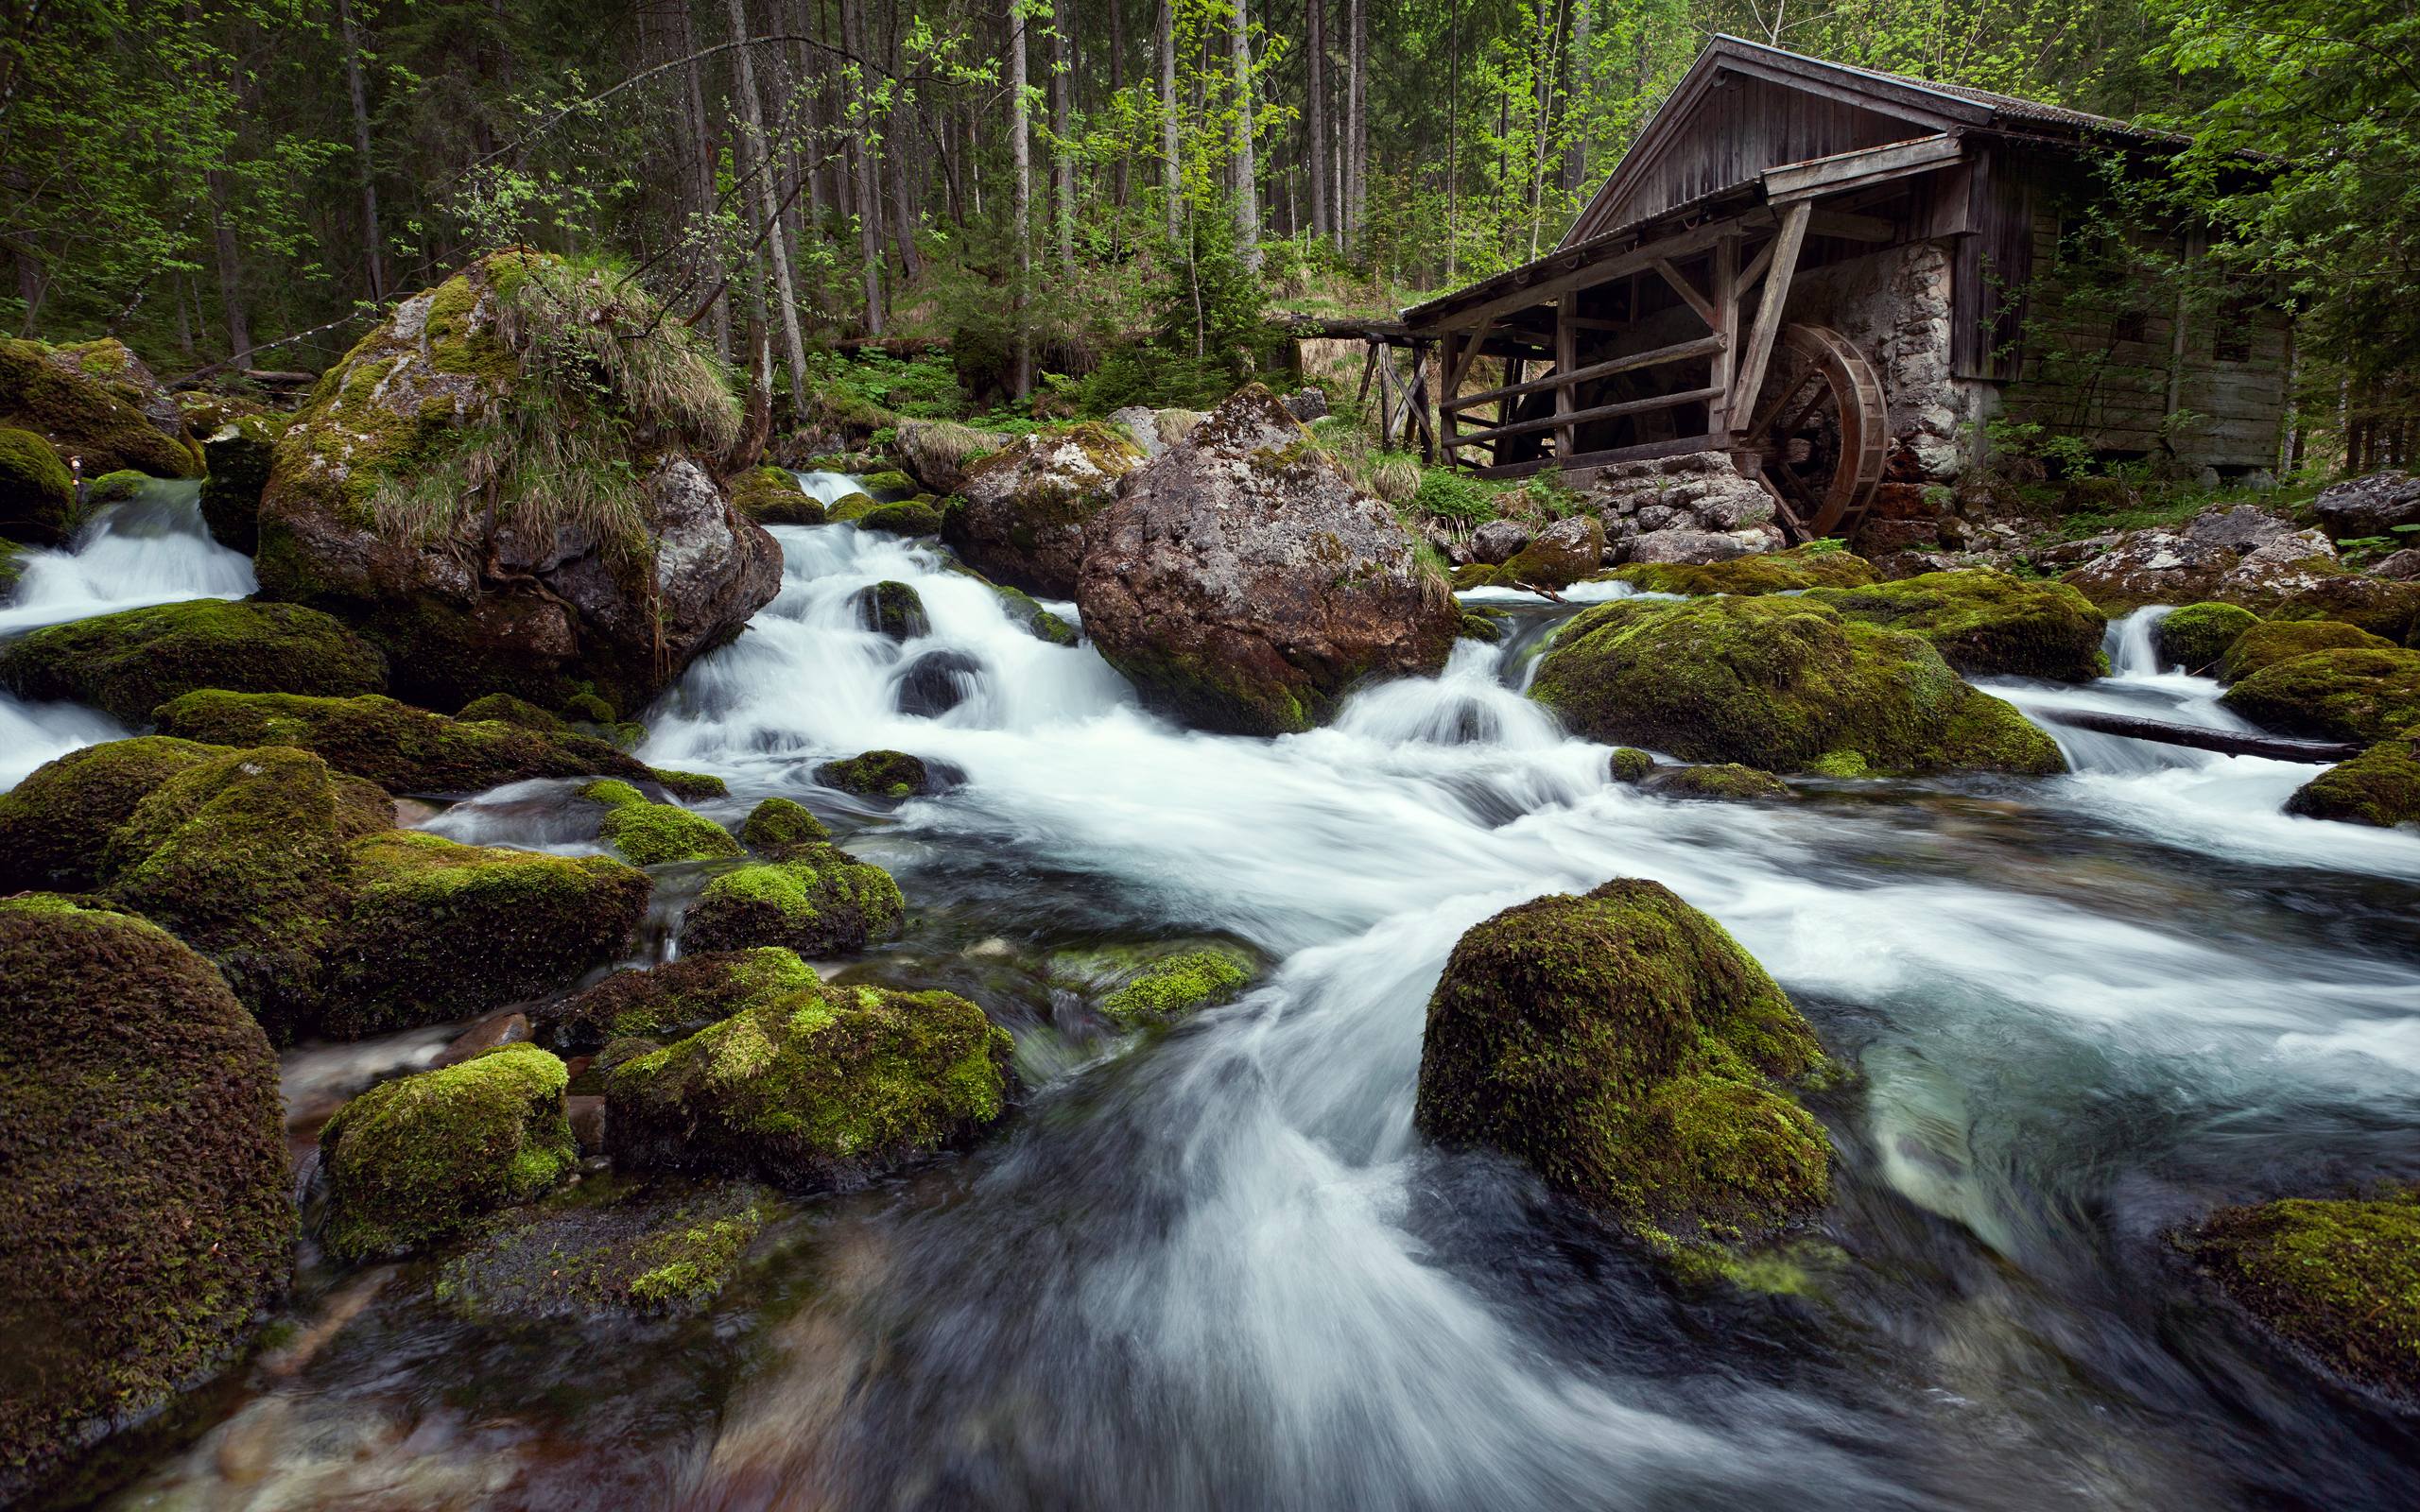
(629, 566)
(2337, 1280)
(1175, 986)
(507, 1028)
(1809, 566)
(37, 503)
(2399, 567)
(2263, 644)
(1779, 682)
(667, 1001)
(400, 748)
(892, 611)
(937, 682)
(1627, 1050)
(1243, 582)
(417, 1160)
(1688, 547)
(2359, 694)
(2196, 635)
(1023, 510)
(1307, 404)
(652, 835)
(96, 401)
(134, 661)
(1497, 542)
(2162, 566)
(818, 900)
(937, 453)
(1727, 781)
(2371, 506)
(1560, 555)
(877, 774)
(587, 1257)
(1986, 623)
(238, 454)
(150, 1220)
(2380, 607)
(2381, 786)
(774, 496)
(902, 517)
(777, 825)
(1630, 765)
(827, 1089)
(586, 1116)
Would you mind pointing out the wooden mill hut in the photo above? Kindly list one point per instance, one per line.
(1841, 278)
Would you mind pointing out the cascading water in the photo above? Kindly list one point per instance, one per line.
(151, 549)
(1215, 1268)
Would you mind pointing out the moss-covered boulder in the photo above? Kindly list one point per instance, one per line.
(777, 825)
(238, 454)
(1022, 510)
(827, 1089)
(2339, 1278)
(56, 825)
(1630, 765)
(131, 662)
(773, 496)
(417, 1160)
(904, 517)
(1624, 1047)
(1820, 565)
(584, 1257)
(651, 834)
(2362, 694)
(2266, 645)
(818, 900)
(1175, 986)
(401, 749)
(2196, 635)
(877, 774)
(437, 931)
(2380, 786)
(889, 485)
(508, 484)
(37, 496)
(142, 1179)
(245, 857)
(664, 1003)
(1779, 682)
(1986, 623)
(892, 611)
(1558, 556)
(96, 402)
(1726, 780)
(2383, 608)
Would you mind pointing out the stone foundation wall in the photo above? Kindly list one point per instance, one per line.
(1894, 305)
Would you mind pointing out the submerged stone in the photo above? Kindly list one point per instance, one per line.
(588, 1257)
(937, 682)
(892, 611)
(1177, 985)
(2338, 1279)
(134, 661)
(143, 1157)
(877, 774)
(1724, 780)
(827, 1089)
(417, 1160)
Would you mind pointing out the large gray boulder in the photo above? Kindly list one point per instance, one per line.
(1023, 510)
(2371, 506)
(1244, 582)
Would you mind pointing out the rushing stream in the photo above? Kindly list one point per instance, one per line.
(1213, 1267)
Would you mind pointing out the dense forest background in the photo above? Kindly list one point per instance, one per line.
(239, 183)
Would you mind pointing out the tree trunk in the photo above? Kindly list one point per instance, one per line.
(1172, 176)
(1062, 158)
(1116, 87)
(1453, 142)
(899, 143)
(700, 167)
(1020, 202)
(1357, 114)
(867, 194)
(756, 165)
(1247, 172)
(375, 239)
(1315, 101)
(231, 277)
(1575, 156)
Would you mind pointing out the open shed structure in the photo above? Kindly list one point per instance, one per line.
(1826, 272)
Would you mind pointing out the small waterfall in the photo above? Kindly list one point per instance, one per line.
(828, 489)
(151, 549)
(2127, 643)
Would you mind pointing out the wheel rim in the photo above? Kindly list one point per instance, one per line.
(1821, 429)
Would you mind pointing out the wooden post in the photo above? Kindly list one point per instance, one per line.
(1769, 308)
(1567, 359)
(1727, 323)
(1449, 373)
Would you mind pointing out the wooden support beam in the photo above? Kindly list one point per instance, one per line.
(1859, 167)
(1589, 417)
(1586, 273)
(1675, 447)
(1653, 357)
(1449, 367)
(1724, 320)
(1687, 291)
(1567, 357)
(1756, 264)
(1849, 227)
(1758, 349)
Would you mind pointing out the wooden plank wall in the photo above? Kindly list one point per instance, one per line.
(1738, 131)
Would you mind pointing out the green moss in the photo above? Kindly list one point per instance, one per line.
(1726, 779)
(2340, 1279)
(12, 567)
(1549, 563)
(877, 774)
(37, 497)
(2381, 607)
(894, 610)
(239, 456)
(145, 1215)
(693, 787)
(1032, 618)
(82, 416)
(2196, 635)
(651, 835)
(588, 1257)
(114, 488)
(506, 709)
(1819, 564)
(2266, 645)
(1481, 628)
(668, 1001)
(888, 486)
(825, 1088)
(772, 496)
(2364, 693)
(439, 931)
(1629, 765)
(849, 508)
(910, 517)
(1840, 763)
(1624, 1047)
(1780, 682)
(1985, 622)
(1176, 986)
(817, 901)
(400, 748)
(417, 1160)
(2380, 786)
(131, 662)
(56, 825)
(779, 825)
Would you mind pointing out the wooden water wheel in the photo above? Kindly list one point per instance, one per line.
(1821, 429)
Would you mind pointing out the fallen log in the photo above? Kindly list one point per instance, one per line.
(2225, 742)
